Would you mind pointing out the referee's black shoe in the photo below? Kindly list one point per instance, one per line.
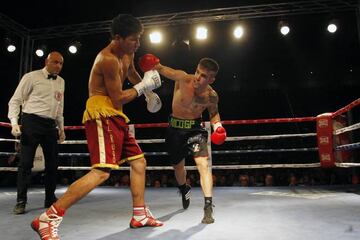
(19, 207)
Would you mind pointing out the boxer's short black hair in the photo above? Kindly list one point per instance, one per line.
(125, 25)
(209, 64)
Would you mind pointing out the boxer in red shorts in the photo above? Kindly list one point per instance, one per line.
(109, 140)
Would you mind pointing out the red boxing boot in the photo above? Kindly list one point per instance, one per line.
(46, 225)
(142, 217)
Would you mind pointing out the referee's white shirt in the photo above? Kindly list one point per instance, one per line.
(37, 94)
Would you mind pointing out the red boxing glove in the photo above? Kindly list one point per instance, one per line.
(148, 62)
(219, 135)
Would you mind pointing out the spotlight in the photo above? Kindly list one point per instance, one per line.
(332, 27)
(40, 51)
(201, 33)
(11, 48)
(74, 47)
(284, 28)
(10, 45)
(155, 37)
(238, 32)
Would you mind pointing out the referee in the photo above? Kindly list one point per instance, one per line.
(39, 99)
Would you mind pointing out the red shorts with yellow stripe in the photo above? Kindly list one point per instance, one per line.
(110, 143)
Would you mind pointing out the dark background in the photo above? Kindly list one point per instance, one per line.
(264, 75)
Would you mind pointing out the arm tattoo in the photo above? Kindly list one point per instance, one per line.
(213, 97)
(213, 107)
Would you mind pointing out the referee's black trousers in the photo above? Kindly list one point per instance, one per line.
(37, 130)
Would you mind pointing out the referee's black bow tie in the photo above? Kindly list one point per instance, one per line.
(51, 76)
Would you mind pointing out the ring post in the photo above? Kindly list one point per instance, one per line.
(324, 130)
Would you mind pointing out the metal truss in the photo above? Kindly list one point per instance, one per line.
(12, 26)
(295, 7)
(213, 15)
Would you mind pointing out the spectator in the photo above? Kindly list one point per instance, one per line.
(292, 180)
(269, 181)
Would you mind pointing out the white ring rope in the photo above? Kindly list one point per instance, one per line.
(347, 165)
(347, 129)
(265, 137)
(233, 167)
(74, 142)
(138, 141)
(9, 140)
(213, 152)
(228, 139)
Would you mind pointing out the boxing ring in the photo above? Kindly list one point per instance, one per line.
(327, 141)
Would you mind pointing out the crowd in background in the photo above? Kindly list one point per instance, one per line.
(221, 178)
(249, 178)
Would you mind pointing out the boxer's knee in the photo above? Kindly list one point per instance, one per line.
(179, 166)
(102, 173)
(138, 165)
(202, 163)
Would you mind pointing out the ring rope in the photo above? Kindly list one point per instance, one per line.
(266, 137)
(8, 153)
(266, 150)
(226, 122)
(346, 108)
(232, 122)
(234, 167)
(213, 152)
(9, 140)
(346, 165)
(269, 120)
(85, 141)
(74, 127)
(150, 140)
(228, 139)
(347, 129)
(74, 142)
(5, 124)
(138, 141)
(348, 146)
